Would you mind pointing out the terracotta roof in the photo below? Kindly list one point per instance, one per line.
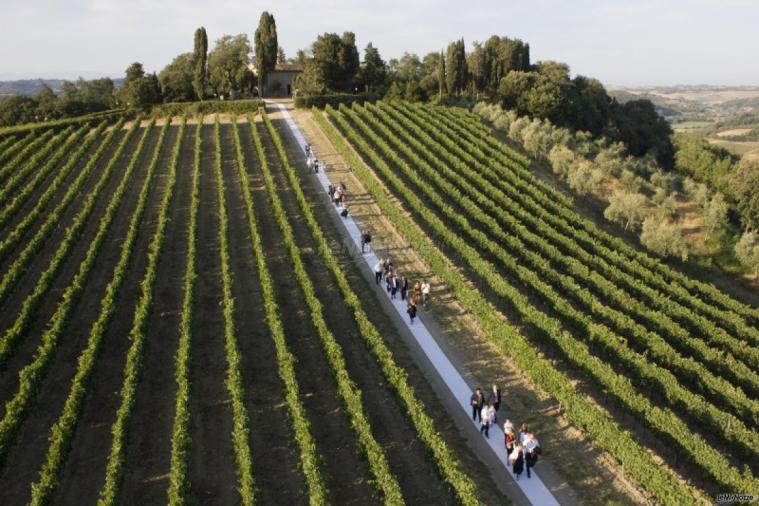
(289, 67)
(281, 67)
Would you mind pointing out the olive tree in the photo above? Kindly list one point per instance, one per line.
(747, 251)
(627, 208)
(663, 237)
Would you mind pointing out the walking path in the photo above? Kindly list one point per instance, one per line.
(533, 488)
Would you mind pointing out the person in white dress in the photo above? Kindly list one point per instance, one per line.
(425, 292)
(531, 451)
(487, 417)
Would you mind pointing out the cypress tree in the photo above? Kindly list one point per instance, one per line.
(373, 71)
(266, 48)
(349, 61)
(199, 63)
(456, 67)
(443, 90)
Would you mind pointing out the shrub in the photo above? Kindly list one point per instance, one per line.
(630, 182)
(747, 251)
(696, 192)
(206, 107)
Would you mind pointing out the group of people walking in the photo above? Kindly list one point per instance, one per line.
(311, 160)
(522, 448)
(397, 283)
(337, 194)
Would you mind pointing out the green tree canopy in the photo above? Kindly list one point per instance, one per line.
(640, 127)
(414, 92)
(334, 66)
(543, 93)
(76, 98)
(592, 105)
(441, 78)
(456, 67)
(177, 79)
(478, 67)
(373, 72)
(228, 64)
(625, 207)
(704, 162)
(502, 55)
(266, 48)
(744, 188)
(747, 251)
(430, 64)
(581, 104)
(514, 89)
(47, 103)
(134, 72)
(349, 61)
(140, 90)
(407, 68)
(82, 97)
(16, 109)
(430, 86)
(663, 238)
(395, 91)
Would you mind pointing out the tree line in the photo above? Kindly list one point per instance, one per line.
(498, 70)
(596, 138)
(717, 189)
(222, 72)
(74, 99)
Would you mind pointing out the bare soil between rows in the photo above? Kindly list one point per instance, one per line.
(28, 453)
(276, 467)
(83, 473)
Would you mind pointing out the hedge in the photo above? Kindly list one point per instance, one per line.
(320, 101)
(110, 115)
(207, 107)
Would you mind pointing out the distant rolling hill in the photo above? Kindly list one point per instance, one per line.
(722, 115)
(33, 86)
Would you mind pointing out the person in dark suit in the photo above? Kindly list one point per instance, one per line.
(404, 287)
(477, 401)
(411, 310)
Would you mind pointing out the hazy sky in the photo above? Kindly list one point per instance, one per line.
(628, 42)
